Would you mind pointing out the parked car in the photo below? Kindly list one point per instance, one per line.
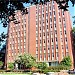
(50, 73)
(71, 71)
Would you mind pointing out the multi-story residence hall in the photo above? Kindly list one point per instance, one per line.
(45, 33)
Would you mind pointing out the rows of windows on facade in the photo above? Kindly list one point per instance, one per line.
(49, 32)
(50, 22)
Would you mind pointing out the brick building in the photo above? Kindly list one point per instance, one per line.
(45, 32)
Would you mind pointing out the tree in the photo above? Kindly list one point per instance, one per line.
(41, 65)
(8, 8)
(73, 43)
(26, 60)
(74, 20)
(1, 64)
(3, 37)
(66, 61)
(11, 66)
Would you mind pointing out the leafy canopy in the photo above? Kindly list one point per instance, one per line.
(27, 60)
(8, 7)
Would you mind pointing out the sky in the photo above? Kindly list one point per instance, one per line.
(71, 10)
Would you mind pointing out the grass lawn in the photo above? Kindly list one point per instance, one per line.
(14, 74)
(71, 74)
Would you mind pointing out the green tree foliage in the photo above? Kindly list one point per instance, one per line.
(73, 30)
(11, 66)
(66, 61)
(26, 60)
(8, 7)
(2, 38)
(73, 36)
(74, 21)
(1, 64)
(42, 65)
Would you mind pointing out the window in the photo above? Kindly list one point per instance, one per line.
(55, 25)
(50, 7)
(47, 14)
(51, 19)
(36, 41)
(50, 13)
(61, 40)
(54, 12)
(48, 33)
(44, 48)
(64, 25)
(40, 28)
(48, 55)
(47, 20)
(63, 19)
(56, 39)
(63, 12)
(52, 39)
(57, 54)
(56, 46)
(55, 31)
(51, 26)
(54, 18)
(51, 33)
(67, 53)
(44, 41)
(59, 13)
(40, 34)
(44, 34)
(40, 22)
(48, 41)
(46, 8)
(43, 15)
(40, 56)
(52, 54)
(52, 47)
(59, 20)
(36, 28)
(60, 32)
(36, 55)
(47, 26)
(66, 46)
(62, 47)
(66, 39)
(65, 31)
(36, 23)
(48, 48)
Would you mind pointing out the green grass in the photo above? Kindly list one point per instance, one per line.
(14, 74)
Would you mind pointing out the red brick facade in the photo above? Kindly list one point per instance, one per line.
(45, 32)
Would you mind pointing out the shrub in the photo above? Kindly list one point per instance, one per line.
(56, 68)
(66, 62)
(1, 64)
(41, 65)
(1, 71)
(11, 66)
